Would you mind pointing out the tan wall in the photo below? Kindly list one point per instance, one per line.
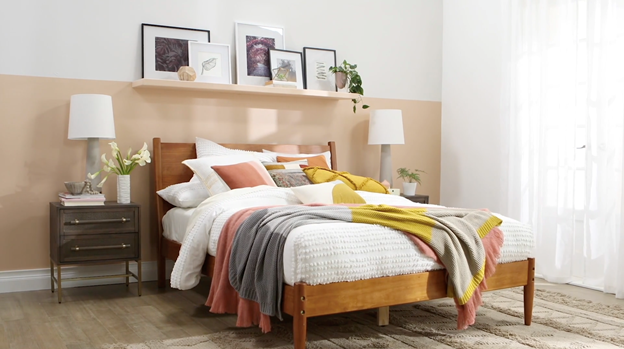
(37, 157)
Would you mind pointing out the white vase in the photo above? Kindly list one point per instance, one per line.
(123, 189)
(409, 189)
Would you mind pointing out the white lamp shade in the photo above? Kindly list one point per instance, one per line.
(91, 116)
(386, 127)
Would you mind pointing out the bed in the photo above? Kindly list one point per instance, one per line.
(302, 300)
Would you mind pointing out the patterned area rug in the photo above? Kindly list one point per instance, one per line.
(559, 321)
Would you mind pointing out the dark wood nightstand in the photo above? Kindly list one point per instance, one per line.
(423, 199)
(94, 234)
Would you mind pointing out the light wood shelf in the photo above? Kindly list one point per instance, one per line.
(241, 89)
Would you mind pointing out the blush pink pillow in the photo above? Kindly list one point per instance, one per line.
(244, 175)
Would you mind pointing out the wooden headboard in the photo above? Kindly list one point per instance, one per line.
(168, 168)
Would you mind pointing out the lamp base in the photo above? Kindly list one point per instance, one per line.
(385, 165)
(93, 161)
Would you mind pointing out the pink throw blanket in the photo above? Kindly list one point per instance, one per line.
(223, 298)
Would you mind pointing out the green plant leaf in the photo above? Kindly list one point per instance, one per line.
(365, 106)
(354, 109)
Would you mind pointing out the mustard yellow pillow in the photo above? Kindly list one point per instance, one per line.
(323, 175)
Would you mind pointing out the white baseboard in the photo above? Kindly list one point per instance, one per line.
(39, 279)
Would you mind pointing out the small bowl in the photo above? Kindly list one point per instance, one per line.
(74, 188)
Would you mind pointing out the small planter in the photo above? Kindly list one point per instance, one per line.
(409, 189)
(341, 80)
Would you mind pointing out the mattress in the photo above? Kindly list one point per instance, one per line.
(336, 252)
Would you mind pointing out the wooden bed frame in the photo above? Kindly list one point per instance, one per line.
(303, 301)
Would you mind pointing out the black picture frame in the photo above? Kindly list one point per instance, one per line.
(331, 83)
(275, 54)
(177, 37)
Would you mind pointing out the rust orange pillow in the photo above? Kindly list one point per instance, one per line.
(313, 161)
(244, 175)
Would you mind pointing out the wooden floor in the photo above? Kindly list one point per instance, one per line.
(92, 316)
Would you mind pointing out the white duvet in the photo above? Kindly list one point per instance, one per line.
(323, 253)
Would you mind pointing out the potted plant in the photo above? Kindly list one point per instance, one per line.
(347, 75)
(411, 179)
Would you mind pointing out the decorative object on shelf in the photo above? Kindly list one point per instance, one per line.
(91, 118)
(211, 62)
(411, 179)
(253, 43)
(122, 168)
(75, 188)
(186, 73)
(317, 62)
(286, 66)
(347, 75)
(165, 49)
(385, 127)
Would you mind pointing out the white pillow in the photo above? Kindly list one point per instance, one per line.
(327, 155)
(202, 167)
(188, 194)
(336, 192)
(205, 147)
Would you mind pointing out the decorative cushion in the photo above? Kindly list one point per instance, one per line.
(322, 175)
(188, 194)
(202, 167)
(204, 147)
(318, 160)
(244, 175)
(285, 165)
(326, 154)
(289, 178)
(335, 192)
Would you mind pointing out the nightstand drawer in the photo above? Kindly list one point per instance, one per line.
(117, 220)
(80, 248)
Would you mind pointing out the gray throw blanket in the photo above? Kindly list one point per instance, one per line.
(256, 262)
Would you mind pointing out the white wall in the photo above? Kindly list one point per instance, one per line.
(472, 165)
(397, 44)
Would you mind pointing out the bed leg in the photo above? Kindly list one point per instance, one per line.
(383, 316)
(300, 319)
(529, 293)
(162, 266)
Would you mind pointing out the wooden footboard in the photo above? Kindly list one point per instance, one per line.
(303, 301)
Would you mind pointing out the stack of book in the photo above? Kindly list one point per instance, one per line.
(68, 199)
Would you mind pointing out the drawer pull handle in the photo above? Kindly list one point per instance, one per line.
(110, 247)
(97, 221)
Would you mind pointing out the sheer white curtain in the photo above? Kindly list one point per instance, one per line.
(563, 114)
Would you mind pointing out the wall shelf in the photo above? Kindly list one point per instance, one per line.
(240, 89)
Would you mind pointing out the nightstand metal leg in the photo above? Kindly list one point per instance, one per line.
(127, 273)
(139, 274)
(52, 275)
(58, 282)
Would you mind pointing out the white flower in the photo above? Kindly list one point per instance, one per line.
(115, 150)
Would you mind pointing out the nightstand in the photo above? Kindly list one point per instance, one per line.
(94, 234)
(423, 199)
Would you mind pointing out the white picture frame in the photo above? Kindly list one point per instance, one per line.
(253, 43)
(317, 62)
(292, 60)
(211, 62)
(174, 39)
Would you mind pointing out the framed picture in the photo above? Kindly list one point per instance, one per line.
(253, 43)
(317, 62)
(210, 61)
(286, 66)
(165, 49)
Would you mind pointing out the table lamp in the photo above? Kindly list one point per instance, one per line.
(91, 118)
(385, 127)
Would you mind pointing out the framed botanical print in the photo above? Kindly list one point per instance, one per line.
(286, 67)
(253, 43)
(166, 49)
(317, 62)
(210, 61)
